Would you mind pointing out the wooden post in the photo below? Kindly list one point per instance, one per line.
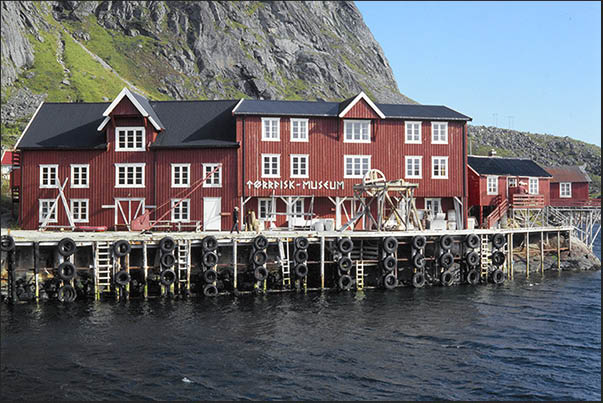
(527, 254)
(36, 254)
(510, 255)
(234, 263)
(541, 252)
(322, 262)
(145, 268)
(559, 251)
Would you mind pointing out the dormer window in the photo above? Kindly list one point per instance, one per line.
(129, 138)
(357, 131)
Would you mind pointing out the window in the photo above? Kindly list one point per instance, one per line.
(414, 167)
(45, 207)
(271, 129)
(266, 210)
(357, 131)
(439, 132)
(181, 210)
(299, 166)
(439, 167)
(49, 176)
(181, 175)
(299, 129)
(271, 166)
(129, 175)
(129, 139)
(412, 132)
(565, 189)
(297, 209)
(215, 179)
(355, 166)
(79, 210)
(533, 186)
(79, 175)
(512, 182)
(433, 206)
(492, 185)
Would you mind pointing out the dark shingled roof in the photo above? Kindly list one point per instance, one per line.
(506, 166)
(147, 107)
(568, 173)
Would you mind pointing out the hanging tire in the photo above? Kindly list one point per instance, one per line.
(472, 241)
(418, 280)
(167, 260)
(167, 244)
(345, 282)
(210, 276)
(210, 290)
(66, 271)
(122, 278)
(260, 273)
(301, 242)
(447, 278)
(300, 255)
(419, 242)
(499, 240)
(209, 243)
(498, 258)
(66, 293)
(389, 263)
(418, 260)
(7, 244)
(390, 281)
(260, 242)
(446, 242)
(345, 245)
(301, 270)
(259, 257)
(210, 259)
(167, 277)
(390, 244)
(498, 277)
(121, 248)
(472, 259)
(446, 260)
(345, 264)
(66, 247)
(472, 277)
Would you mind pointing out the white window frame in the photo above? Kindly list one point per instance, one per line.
(297, 214)
(406, 133)
(56, 176)
(530, 182)
(300, 175)
(304, 137)
(565, 194)
(50, 203)
(272, 214)
(278, 166)
(413, 158)
(278, 129)
(178, 210)
(433, 176)
(345, 162)
(351, 139)
(512, 182)
(126, 166)
(86, 202)
(126, 148)
(438, 201)
(439, 141)
(207, 168)
(188, 175)
(488, 179)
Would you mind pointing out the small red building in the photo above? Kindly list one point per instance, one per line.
(569, 187)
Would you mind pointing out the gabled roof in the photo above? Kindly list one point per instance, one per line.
(506, 166)
(140, 102)
(568, 173)
(348, 104)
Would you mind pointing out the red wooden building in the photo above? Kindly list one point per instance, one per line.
(570, 187)
(272, 157)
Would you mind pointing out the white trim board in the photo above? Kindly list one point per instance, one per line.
(126, 93)
(360, 96)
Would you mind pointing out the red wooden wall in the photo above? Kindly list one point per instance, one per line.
(579, 191)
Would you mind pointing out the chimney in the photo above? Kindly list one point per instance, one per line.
(492, 153)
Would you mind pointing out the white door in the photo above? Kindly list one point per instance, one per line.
(212, 207)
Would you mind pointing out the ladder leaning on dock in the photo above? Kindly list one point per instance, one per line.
(285, 264)
(103, 268)
(184, 264)
(485, 257)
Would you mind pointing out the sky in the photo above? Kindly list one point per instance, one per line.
(528, 66)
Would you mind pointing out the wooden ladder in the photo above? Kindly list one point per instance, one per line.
(285, 263)
(485, 257)
(184, 263)
(103, 264)
(359, 274)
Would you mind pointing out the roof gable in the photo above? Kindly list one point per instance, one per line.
(347, 105)
(361, 110)
(506, 166)
(139, 102)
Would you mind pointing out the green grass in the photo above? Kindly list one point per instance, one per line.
(11, 132)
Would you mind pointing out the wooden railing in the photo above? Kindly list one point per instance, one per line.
(497, 213)
(575, 203)
(522, 200)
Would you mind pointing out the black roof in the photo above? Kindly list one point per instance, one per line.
(147, 107)
(506, 166)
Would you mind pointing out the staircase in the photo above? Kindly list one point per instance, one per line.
(104, 268)
(497, 213)
(285, 263)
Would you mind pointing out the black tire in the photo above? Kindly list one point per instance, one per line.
(498, 258)
(122, 278)
(389, 263)
(259, 257)
(447, 278)
(472, 241)
(210, 276)
(167, 277)
(446, 260)
(7, 244)
(66, 271)
(498, 277)
(446, 242)
(390, 244)
(167, 260)
(66, 247)
(260, 242)
(300, 255)
(209, 243)
(498, 241)
(419, 242)
(301, 270)
(472, 277)
(472, 259)
(345, 264)
(210, 259)
(121, 248)
(418, 280)
(418, 260)
(260, 273)
(345, 282)
(210, 290)
(345, 245)
(66, 293)
(390, 281)
(167, 244)
(227, 274)
(301, 242)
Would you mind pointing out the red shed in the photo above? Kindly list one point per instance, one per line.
(569, 186)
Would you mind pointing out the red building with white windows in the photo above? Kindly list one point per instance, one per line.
(570, 187)
(114, 161)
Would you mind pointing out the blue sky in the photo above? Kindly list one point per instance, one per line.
(538, 62)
